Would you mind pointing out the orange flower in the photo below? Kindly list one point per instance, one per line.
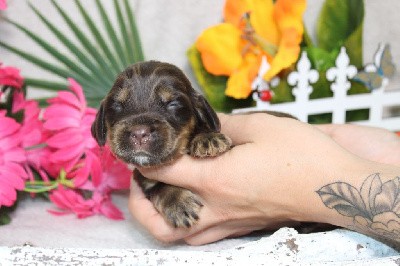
(252, 29)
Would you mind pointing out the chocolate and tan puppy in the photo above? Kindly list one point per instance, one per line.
(152, 116)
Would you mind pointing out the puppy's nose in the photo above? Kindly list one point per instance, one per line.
(140, 135)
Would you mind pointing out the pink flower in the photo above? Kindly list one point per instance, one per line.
(111, 173)
(32, 130)
(108, 174)
(10, 76)
(3, 4)
(70, 201)
(68, 121)
(12, 155)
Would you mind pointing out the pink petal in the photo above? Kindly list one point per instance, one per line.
(3, 4)
(81, 175)
(58, 124)
(76, 87)
(16, 155)
(8, 126)
(96, 168)
(65, 138)
(68, 153)
(61, 111)
(8, 195)
(12, 179)
(66, 97)
(109, 210)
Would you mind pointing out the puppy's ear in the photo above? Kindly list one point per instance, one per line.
(99, 130)
(205, 115)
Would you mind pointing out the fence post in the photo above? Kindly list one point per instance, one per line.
(301, 79)
(340, 75)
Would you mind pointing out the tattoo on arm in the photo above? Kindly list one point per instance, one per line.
(375, 207)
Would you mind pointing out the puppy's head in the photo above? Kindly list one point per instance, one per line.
(151, 113)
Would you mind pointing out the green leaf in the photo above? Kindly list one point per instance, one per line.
(95, 71)
(78, 72)
(115, 68)
(307, 41)
(214, 86)
(134, 37)
(124, 32)
(43, 84)
(112, 35)
(340, 24)
(320, 59)
(93, 62)
(353, 46)
(5, 214)
(282, 92)
(37, 61)
(90, 48)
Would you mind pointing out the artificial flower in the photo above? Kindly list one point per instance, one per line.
(112, 174)
(107, 174)
(34, 135)
(3, 5)
(251, 30)
(12, 155)
(10, 76)
(70, 201)
(68, 120)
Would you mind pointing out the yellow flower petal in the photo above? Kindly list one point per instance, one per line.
(234, 10)
(289, 17)
(288, 52)
(220, 49)
(263, 21)
(289, 14)
(239, 83)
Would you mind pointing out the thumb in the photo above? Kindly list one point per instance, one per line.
(185, 172)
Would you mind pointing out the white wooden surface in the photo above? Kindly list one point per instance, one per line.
(285, 247)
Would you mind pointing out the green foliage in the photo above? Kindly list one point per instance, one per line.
(94, 62)
(5, 214)
(340, 24)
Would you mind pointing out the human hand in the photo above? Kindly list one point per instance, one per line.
(267, 180)
(371, 143)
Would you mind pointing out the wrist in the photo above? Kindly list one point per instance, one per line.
(306, 203)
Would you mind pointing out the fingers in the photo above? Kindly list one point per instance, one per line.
(249, 128)
(238, 127)
(214, 234)
(145, 213)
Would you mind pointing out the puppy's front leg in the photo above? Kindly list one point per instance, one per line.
(178, 206)
(209, 144)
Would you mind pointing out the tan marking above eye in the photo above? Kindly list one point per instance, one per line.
(165, 94)
(122, 95)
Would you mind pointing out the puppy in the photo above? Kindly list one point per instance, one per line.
(152, 116)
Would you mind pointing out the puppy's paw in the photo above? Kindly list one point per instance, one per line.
(180, 207)
(209, 145)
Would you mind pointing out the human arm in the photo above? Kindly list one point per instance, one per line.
(277, 173)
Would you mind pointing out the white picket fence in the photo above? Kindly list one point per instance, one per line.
(302, 107)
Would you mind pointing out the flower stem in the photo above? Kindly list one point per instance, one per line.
(40, 186)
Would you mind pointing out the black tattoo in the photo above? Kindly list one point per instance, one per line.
(375, 208)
